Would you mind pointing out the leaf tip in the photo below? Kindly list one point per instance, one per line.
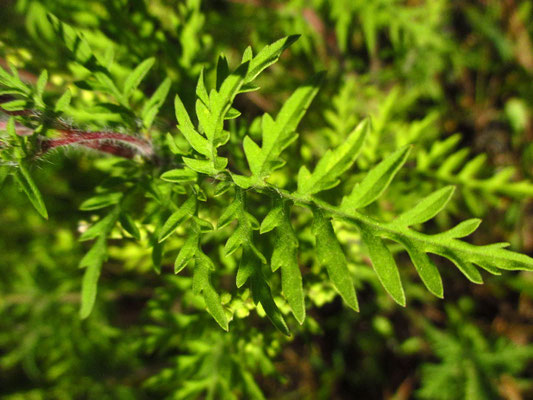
(291, 39)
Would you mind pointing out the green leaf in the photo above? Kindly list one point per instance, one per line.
(244, 182)
(376, 181)
(25, 182)
(292, 287)
(213, 109)
(278, 134)
(334, 163)
(206, 120)
(273, 219)
(237, 238)
(268, 56)
(427, 208)
(222, 187)
(181, 114)
(453, 162)
(229, 214)
(179, 175)
(157, 256)
(426, 269)
(222, 70)
(186, 211)
(109, 86)
(493, 256)
(247, 55)
(330, 255)
(232, 113)
(135, 78)
(462, 229)
(13, 82)
(473, 167)
(201, 91)
(467, 268)
(93, 262)
(127, 222)
(202, 284)
(187, 251)
(75, 42)
(197, 141)
(248, 264)
(203, 225)
(15, 105)
(285, 256)
(220, 102)
(201, 166)
(102, 227)
(10, 128)
(242, 236)
(4, 173)
(253, 155)
(39, 89)
(101, 201)
(438, 150)
(261, 293)
(152, 106)
(173, 147)
(63, 102)
(384, 265)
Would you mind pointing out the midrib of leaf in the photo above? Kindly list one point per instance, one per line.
(452, 244)
(389, 230)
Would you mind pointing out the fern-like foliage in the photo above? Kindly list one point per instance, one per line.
(262, 160)
(447, 163)
(179, 201)
(211, 363)
(471, 364)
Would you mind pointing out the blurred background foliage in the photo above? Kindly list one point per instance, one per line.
(453, 78)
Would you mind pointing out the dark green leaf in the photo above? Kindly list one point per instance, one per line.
(25, 182)
(179, 175)
(63, 102)
(201, 283)
(384, 265)
(136, 77)
(330, 255)
(187, 252)
(127, 222)
(376, 181)
(101, 201)
(186, 211)
(261, 294)
(102, 227)
(334, 163)
(93, 262)
(427, 208)
(268, 56)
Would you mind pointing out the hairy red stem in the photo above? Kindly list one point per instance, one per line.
(105, 141)
(72, 136)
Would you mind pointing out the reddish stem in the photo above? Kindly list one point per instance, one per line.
(71, 136)
(107, 142)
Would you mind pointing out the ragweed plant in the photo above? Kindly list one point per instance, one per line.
(188, 198)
